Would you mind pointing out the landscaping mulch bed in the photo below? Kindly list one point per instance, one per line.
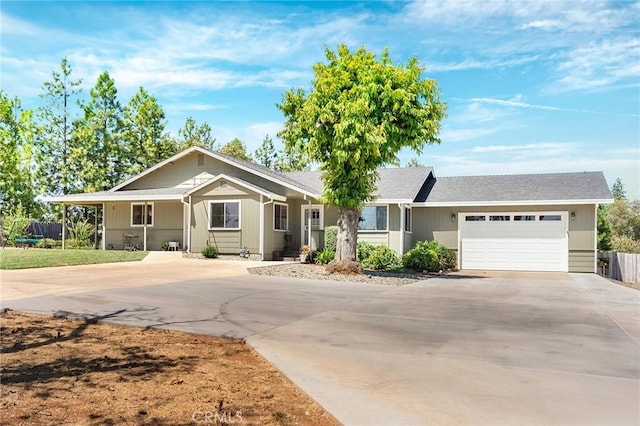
(61, 371)
(317, 272)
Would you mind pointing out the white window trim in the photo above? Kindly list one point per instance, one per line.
(410, 230)
(370, 231)
(144, 215)
(274, 216)
(224, 202)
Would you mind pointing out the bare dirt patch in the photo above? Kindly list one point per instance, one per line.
(63, 371)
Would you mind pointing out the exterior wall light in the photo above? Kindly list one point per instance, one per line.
(453, 217)
(573, 216)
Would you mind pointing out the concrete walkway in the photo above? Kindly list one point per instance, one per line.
(471, 349)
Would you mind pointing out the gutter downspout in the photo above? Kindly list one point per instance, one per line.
(262, 227)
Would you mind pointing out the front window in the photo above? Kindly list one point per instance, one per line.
(141, 214)
(280, 217)
(407, 219)
(224, 215)
(373, 218)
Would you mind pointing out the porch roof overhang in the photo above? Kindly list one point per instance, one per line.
(247, 185)
(141, 195)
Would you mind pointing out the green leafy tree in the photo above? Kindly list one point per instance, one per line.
(144, 132)
(193, 134)
(414, 163)
(360, 112)
(99, 153)
(618, 191)
(624, 218)
(266, 153)
(18, 187)
(55, 143)
(604, 228)
(291, 159)
(235, 148)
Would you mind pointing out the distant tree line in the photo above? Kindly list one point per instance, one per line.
(75, 143)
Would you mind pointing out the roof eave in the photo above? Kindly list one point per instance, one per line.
(513, 203)
(108, 198)
(247, 185)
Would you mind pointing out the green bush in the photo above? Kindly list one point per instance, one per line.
(210, 252)
(382, 258)
(429, 256)
(81, 232)
(331, 238)
(363, 250)
(325, 256)
(46, 243)
(624, 244)
(14, 225)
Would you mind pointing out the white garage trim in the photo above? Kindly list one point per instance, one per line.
(519, 241)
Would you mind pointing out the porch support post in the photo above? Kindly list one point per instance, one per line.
(144, 230)
(104, 226)
(309, 226)
(261, 244)
(64, 225)
(401, 206)
(189, 226)
(95, 227)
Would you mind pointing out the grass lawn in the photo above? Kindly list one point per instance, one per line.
(11, 258)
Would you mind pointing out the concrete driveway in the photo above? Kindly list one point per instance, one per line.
(477, 349)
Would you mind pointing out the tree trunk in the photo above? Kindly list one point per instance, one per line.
(347, 238)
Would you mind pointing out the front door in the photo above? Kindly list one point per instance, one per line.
(311, 217)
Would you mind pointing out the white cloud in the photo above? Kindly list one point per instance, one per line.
(255, 133)
(600, 64)
(460, 135)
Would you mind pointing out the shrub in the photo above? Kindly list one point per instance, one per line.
(81, 232)
(14, 225)
(429, 256)
(624, 244)
(331, 238)
(46, 243)
(382, 258)
(325, 256)
(363, 250)
(210, 252)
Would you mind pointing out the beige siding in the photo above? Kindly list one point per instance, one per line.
(377, 238)
(434, 223)
(168, 223)
(581, 261)
(227, 241)
(408, 242)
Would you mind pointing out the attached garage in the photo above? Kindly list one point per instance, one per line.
(516, 241)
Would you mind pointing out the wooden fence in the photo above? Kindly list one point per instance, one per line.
(623, 267)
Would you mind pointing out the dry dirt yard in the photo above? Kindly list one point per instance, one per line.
(61, 371)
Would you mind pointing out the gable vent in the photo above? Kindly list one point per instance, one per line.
(223, 183)
(200, 160)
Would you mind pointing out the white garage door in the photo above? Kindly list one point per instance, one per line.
(535, 241)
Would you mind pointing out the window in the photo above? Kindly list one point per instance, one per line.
(475, 218)
(138, 216)
(280, 217)
(373, 218)
(499, 218)
(407, 219)
(551, 217)
(224, 214)
(524, 218)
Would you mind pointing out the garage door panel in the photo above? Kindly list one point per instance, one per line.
(535, 245)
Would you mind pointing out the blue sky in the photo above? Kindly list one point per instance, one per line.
(531, 86)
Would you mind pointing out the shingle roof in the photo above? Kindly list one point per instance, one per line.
(393, 184)
(530, 187)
